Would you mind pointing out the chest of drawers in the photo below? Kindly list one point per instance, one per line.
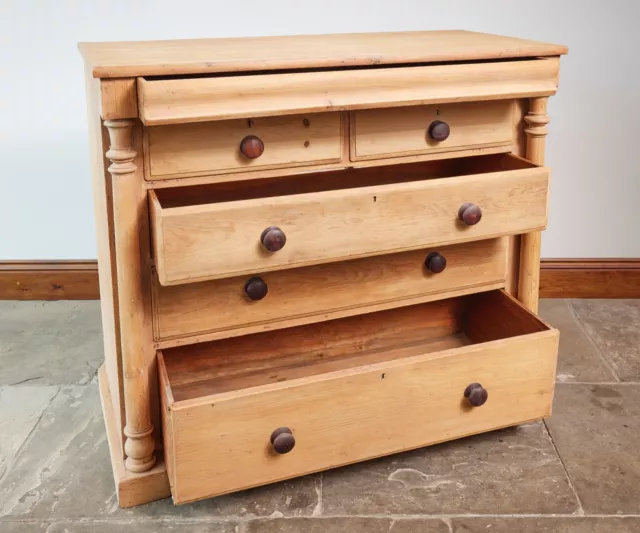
(308, 241)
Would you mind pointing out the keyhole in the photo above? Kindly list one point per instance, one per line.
(375, 198)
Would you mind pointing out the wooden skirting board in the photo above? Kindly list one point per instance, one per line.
(560, 278)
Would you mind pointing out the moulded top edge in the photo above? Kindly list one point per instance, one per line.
(202, 56)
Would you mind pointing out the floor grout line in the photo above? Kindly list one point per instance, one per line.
(584, 329)
(597, 382)
(28, 438)
(244, 519)
(566, 471)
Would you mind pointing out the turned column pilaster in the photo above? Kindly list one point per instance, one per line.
(128, 213)
(536, 132)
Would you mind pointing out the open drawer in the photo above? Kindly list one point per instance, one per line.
(234, 229)
(350, 389)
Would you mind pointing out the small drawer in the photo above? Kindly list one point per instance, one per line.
(251, 410)
(182, 150)
(403, 131)
(215, 231)
(248, 304)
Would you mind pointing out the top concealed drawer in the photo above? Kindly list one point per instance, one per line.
(430, 129)
(182, 150)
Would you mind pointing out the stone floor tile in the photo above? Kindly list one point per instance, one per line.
(596, 430)
(23, 527)
(347, 525)
(143, 526)
(546, 525)
(515, 470)
(295, 497)
(50, 343)
(578, 358)
(68, 453)
(614, 325)
(20, 410)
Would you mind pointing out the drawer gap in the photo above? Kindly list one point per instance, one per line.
(307, 351)
(350, 68)
(351, 178)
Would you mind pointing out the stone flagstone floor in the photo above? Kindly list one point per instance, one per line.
(577, 472)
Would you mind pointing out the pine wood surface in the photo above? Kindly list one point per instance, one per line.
(197, 242)
(319, 292)
(330, 414)
(199, 56)
(173, 101)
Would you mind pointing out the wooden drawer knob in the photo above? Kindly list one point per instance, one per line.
(251, 147)
(476, 394)
(282, 440)
(470, 214)
(256, 289)
(273, 239)
(439, 130)
(435, 262)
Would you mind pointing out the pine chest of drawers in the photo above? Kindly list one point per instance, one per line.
(308, 241)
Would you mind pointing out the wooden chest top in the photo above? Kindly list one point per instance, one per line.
(201, 56)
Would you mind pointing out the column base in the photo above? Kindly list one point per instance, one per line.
(131, 489)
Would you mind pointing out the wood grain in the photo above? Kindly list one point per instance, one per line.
(332, 415)
(303, 170)
(108, 283)
(174, 101)
(199, 56)
(198, 242)
(324, 291)
(214, 147)
(49, 280)
(132, 250)
(402, 131)
(118, 99)
(590, 278)
(531, 243)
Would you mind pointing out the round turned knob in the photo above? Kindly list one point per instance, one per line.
(273, 239)
(251, 147)
(470, 214)
(476, 394)
(256, 289)
(439, 130)
(282, 440)
(435, 262)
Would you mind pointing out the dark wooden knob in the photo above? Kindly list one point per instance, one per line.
(273, 239)
(251, 147)
(470, 214)
(476, 394)
(282, 440)
(435, 262)
(256, 289)
(439, 130)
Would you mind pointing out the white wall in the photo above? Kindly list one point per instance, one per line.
(45, 189)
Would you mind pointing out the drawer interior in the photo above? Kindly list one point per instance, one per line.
(270, 358)
(336, 180)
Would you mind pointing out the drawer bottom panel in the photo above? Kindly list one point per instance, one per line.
(350, 390)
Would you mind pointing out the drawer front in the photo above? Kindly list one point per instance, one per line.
(406, 403)
(404, 131)
(221, 308)
(198, 242)
(212, 147)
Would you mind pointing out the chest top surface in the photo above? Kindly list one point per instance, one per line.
(203, 56)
